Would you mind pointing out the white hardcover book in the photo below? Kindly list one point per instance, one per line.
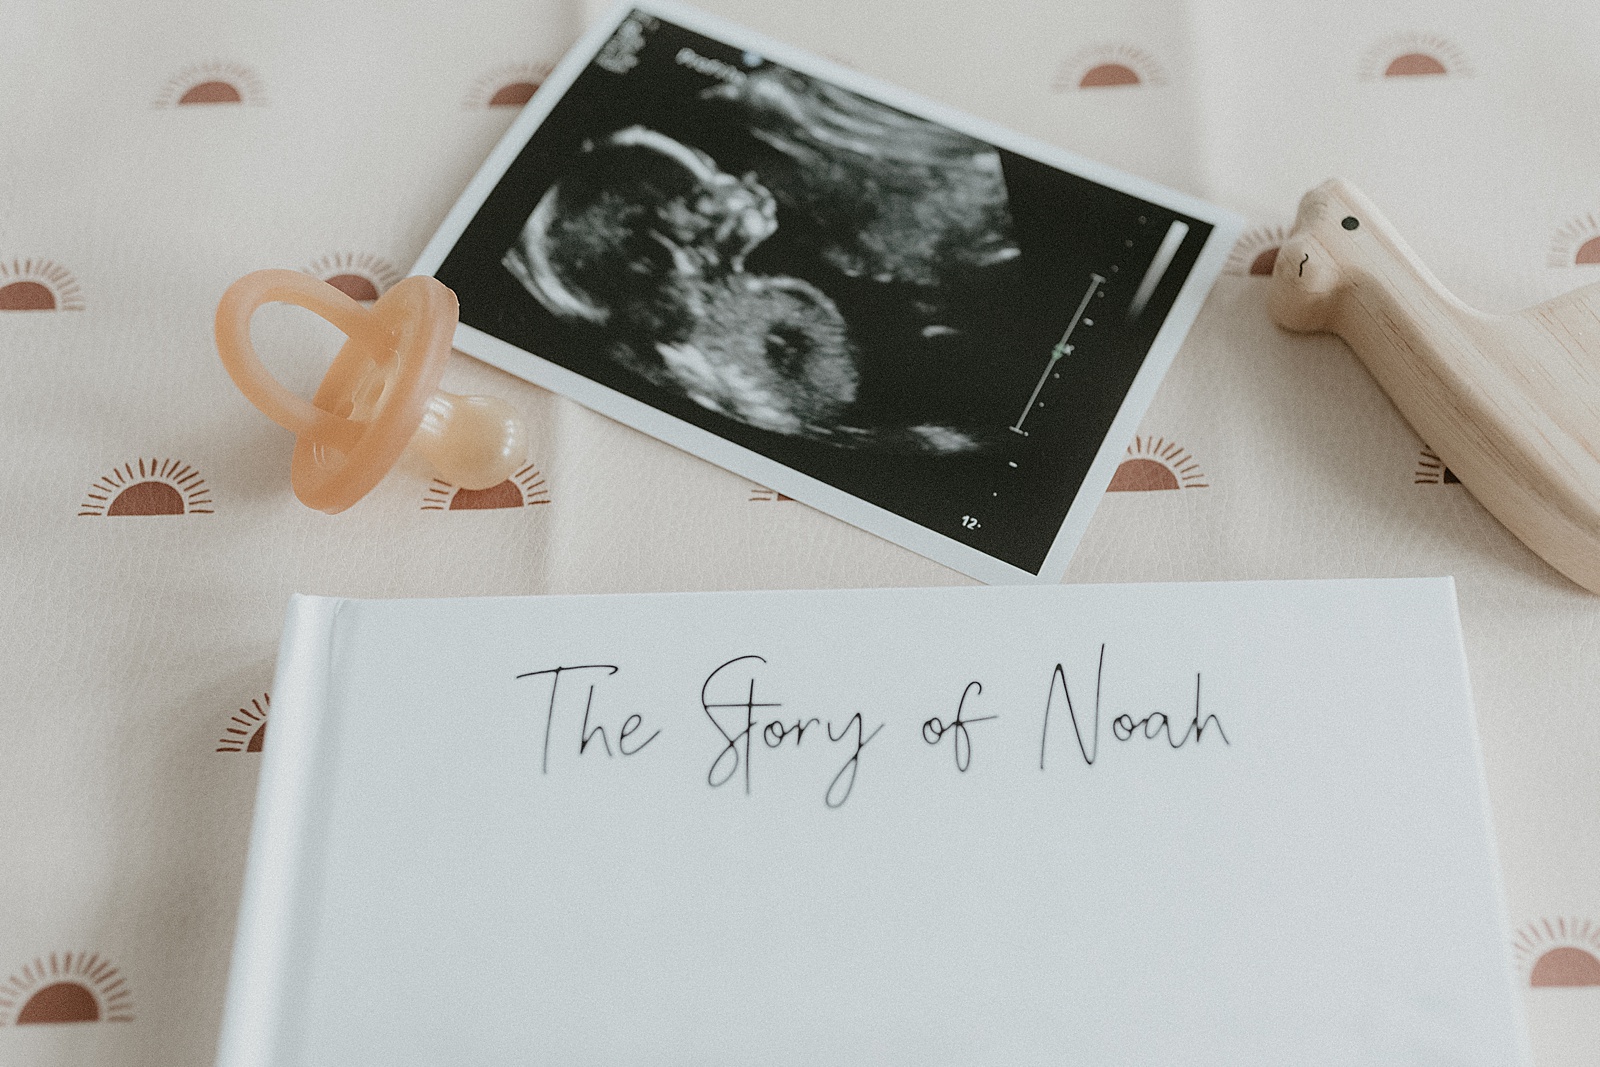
(1209, 824)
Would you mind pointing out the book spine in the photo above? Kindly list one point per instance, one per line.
(1508, 974)
(256, 1030)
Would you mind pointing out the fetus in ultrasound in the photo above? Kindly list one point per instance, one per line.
(723, 282)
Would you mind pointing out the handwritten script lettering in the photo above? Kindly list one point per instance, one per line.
(1123, 727)
(734, 686)
(1157, 723)
(586, 734)
(934, 729)
(736, 699)
(839, 789)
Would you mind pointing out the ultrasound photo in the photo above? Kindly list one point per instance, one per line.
(649, 239)
(903, 314)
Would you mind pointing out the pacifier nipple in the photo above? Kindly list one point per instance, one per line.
(380, 395)
(474, 442)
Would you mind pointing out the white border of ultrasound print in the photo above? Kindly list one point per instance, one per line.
(769, 472)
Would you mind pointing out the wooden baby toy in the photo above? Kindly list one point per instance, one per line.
(1511, 403)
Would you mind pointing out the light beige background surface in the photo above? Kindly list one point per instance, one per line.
(131, 642)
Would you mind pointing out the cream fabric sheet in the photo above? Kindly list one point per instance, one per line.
(137, 649)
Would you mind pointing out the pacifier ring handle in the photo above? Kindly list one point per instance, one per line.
(240, 303)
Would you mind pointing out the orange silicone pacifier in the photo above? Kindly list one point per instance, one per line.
(380, 395)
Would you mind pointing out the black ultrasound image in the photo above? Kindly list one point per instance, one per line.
(698, 269)
(861, 294)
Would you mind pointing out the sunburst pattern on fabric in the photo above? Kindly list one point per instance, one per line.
(211, 84)
(1109, 66)
(65, 987)
(148, 487)
(38, 285)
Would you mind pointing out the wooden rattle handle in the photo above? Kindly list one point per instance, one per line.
(1511, 403)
